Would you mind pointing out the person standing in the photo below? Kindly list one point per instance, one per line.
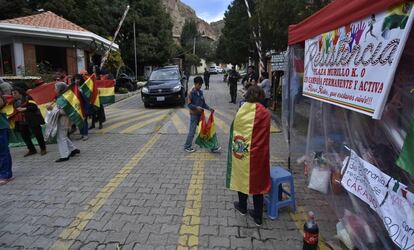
(248, 163)
(65, 145)
(233, 78)
(78, 80)
(265, 85)
(28, 121)
(207, 78)
(197, 105)
(250, 77)
(6, 173)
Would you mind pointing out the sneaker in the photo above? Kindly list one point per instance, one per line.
(30, 153)
(5, 181)
(189, 150)
(74, 152)
(257, 221)
(84, 137)
(216, 150)
(239, 209)
(62, 159)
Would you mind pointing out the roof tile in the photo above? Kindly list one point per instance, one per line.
(45, 20)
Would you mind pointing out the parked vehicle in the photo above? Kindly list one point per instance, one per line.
(125, 79)
(212, 70)
(166, 85)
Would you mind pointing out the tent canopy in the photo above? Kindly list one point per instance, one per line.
(336, 14)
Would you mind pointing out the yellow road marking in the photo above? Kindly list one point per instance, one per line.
(120, 124)
(119, 113)
(122, 117)
(300, 218)
(190, 224)
(72, 232)
(179, 125)
(143, 124)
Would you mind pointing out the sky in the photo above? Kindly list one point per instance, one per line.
(209, 10)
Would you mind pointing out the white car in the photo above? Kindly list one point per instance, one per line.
(212, 70)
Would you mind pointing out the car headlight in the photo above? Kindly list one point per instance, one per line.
(145, 90)
(176, 88)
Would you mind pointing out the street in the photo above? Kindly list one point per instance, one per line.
(134, 187)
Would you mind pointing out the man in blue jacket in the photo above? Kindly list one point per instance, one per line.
(197, 105)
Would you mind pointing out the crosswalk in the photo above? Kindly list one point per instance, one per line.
(165, 120)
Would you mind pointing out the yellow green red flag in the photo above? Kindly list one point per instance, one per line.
(106, 90)
(206, 130)
(90, 90)
(71, 102)
(248, 166)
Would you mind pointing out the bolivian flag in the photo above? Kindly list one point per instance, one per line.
(206, 130)
(248, 169)
(71, 102)
(406, 158)
(90, 91)
(106, 90)
(9, 110)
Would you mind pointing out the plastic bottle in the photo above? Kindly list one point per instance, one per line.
(311, 233)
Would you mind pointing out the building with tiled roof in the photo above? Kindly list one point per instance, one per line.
(47, 40)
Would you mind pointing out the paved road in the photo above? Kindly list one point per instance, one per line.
(133, 187)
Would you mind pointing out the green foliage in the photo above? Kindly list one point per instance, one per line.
(153, 24)
(234, 43)
(114, 61)
(192, 59)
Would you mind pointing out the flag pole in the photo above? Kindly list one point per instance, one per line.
(113, 40)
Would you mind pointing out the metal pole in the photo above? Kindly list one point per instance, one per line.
(194, 52)
(258, 42)
(135, 53)
(113, 40)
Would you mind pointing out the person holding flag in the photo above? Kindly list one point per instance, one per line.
(68, 105)
(248, 166)
(197, 105)
(6, 173)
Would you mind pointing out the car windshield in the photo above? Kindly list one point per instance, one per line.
(164, 75)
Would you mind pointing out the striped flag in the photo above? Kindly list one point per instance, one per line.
(90, 91)
(406, 159)
(206, 130)
(248, 167)
(71, 102)
(106, 90)
(8, 110)
(43, 95)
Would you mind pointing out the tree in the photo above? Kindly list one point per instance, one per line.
(235, 42)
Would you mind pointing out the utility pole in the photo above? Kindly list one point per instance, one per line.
(135, 53)
(194, 52)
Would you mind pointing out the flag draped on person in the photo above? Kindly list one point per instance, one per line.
(71, 102)
(8, 110)
(90, 91)
(106, 90)
(206, 130)
(406, 158)
(248, 167)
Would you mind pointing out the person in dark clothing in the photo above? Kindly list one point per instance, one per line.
(78, 80)
(98, 115)
(234, 76)
(28, 121)
(6, 173)
(207, 78)
(250, 77)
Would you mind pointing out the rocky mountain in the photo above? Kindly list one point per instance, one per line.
(180, 12)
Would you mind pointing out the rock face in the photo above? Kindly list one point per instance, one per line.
(180, 12)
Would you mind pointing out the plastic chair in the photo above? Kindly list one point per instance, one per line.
(273, 200)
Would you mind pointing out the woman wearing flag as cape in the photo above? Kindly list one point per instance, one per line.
(248, 170)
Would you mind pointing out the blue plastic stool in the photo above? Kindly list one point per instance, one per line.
(279, 176)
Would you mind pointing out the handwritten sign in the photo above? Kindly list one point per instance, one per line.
(354, 66)
(389, 198)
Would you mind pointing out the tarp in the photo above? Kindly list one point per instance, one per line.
(336, 14)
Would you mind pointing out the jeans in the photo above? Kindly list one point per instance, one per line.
(257, 203)
(5, 157)
(194, 120)
(84, 131)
